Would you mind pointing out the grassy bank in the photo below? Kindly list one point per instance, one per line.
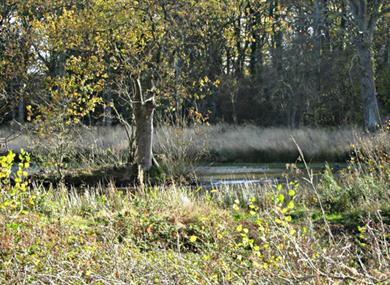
(176, 236)
(336, 231)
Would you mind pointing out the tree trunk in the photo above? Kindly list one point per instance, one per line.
(368, 89)
(318, 19)
(388, 53)
(143, 115)
(234, 111)
(21, 110)
(365, 18)
(277, 39)
(107, 116)
(178, 111)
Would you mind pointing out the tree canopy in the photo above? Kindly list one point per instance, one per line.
(268, 62)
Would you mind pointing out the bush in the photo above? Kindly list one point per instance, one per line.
(15, 194)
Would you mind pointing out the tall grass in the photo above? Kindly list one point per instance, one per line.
(295, 233)
(173, 235)
(222, 143)
(254, 144)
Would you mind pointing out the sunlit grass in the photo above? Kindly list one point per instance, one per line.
(224, 143)
(333, 230)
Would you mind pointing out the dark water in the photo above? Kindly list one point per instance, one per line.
(220, 175)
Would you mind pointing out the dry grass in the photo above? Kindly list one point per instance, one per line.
(224, 143)
(105, 236)
(180, 235)
(276, 144)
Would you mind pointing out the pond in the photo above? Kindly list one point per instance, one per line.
(264, 173)
(245, 174)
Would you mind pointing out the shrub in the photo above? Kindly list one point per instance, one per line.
(15, 194)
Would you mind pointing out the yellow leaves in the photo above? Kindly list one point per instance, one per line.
(204, 81)
(193, 238)
(29, 112)
(236, 205)
(362, 229)
(280, 198)
(291, 205)
(76, 94)
(16, 196)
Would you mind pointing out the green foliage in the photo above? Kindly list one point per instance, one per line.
(335, 197)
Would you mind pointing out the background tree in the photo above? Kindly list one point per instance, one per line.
(268, 62)
(365, 18)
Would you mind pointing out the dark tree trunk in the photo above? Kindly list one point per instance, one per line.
(178, 112)
(240, 50)
(21, 110)
(228, 60)
(253, 59)
(234, 110)
(277, 40)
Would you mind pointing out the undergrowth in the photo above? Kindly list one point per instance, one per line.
(333, 231)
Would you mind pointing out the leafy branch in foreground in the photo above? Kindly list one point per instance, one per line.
(15, 192)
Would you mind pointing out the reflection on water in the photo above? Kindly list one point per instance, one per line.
(249, 174)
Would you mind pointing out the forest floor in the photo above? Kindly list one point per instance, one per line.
(311, 230)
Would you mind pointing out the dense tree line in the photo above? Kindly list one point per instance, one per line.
(268, 62)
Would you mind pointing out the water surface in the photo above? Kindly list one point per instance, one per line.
(264, 173)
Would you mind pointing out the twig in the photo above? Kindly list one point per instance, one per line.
(310, 180)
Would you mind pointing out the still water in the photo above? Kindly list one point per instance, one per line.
(246, 174)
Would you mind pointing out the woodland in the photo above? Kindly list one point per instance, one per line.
(194, 142)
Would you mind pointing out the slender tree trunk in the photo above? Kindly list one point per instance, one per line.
(240, 50)
(368, 89)
(292, 114)
(234, 111)
(107, 117)
(388, 53)
(21, 110)
(107, 121)
(178, 111)
(277, 39)
(228, 61)
(253, 59)
(318, 19)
